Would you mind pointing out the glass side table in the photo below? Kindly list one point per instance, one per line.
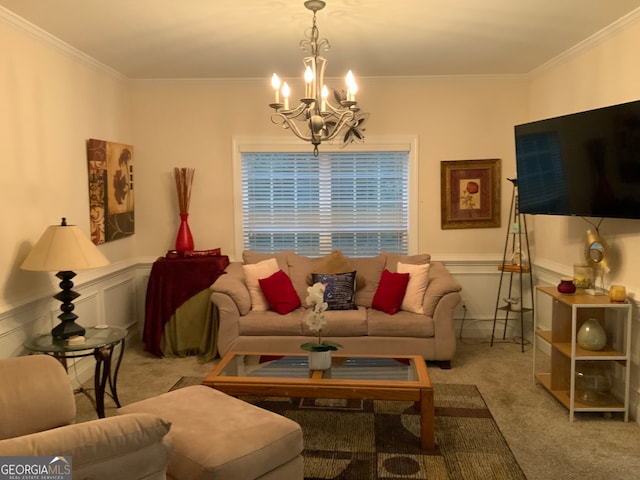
(101, 343)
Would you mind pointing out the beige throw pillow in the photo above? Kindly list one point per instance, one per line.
(254, 272)
(418, 280)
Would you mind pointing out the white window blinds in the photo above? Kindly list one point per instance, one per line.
(355, 202)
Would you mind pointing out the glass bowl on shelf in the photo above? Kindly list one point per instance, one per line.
(593, 381)
(583, 276)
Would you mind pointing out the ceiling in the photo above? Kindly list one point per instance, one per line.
(374, 38)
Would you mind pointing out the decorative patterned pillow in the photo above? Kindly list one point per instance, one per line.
(339, 289)
(279, 292)
(253, 272)
(336, 262)
(418, 280)
(390, 292)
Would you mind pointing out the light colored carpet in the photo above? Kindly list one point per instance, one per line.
(534, 424)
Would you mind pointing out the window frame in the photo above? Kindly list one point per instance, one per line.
(259, 144)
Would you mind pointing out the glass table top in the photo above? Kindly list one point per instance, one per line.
(342, 367)
(94, 338)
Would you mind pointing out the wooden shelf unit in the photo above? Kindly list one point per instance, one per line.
(558, 335)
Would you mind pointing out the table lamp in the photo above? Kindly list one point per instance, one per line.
(63, 248)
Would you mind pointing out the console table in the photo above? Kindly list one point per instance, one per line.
(179, 317)
(99, 342)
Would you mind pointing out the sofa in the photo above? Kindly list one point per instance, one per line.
(37, 411)
(421, 323)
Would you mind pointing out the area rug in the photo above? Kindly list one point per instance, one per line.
(379, 440)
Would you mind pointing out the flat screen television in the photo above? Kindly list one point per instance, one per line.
(585, 164)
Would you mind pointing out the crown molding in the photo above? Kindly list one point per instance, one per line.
(589, 43)
(20, 24)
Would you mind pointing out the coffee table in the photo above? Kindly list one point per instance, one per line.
(375, 377)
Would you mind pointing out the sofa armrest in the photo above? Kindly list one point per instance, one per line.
(445, 335)
(228, 321)
(441, 282)
(233, 284)
(134, 445)
(36, 395)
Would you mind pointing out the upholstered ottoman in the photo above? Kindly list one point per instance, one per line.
(216, 436)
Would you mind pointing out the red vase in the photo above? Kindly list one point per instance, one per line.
(566, 285)
(184, 241)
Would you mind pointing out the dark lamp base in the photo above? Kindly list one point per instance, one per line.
(67, 329)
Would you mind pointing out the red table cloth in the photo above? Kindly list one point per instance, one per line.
(171, 283)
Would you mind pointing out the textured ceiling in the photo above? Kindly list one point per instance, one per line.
(253, 39)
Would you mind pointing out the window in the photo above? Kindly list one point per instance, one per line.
(354, 201)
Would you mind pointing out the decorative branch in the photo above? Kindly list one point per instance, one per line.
(184, 179)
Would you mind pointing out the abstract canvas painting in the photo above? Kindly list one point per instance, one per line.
(111, 201)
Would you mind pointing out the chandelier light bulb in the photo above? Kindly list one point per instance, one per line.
(324, 95)
(308, 82)
(286, 91)
(352, 87)
(275, 83)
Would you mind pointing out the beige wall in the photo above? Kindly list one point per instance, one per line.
(604, 74)
(51, 103)
(192, 123)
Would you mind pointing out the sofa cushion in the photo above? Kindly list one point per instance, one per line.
(336, 262)
(418, 280)
(134, 443)
(271, 323)
(339, 289)
(390, 292)
(253, 273)
(250, 257)
(394, 258)
(402, 324)
(27, 405)
(342, 323)
(279, 292)
(300, 267)
(371, 269)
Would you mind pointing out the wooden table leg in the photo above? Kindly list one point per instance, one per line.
(427, 420)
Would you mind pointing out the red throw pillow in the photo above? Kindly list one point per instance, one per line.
(280, 293)
(390, 292)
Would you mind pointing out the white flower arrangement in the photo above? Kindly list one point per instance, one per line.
(316, 321)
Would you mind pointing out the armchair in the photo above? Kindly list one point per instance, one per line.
(37, 411)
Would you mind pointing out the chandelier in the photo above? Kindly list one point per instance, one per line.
(317, 118)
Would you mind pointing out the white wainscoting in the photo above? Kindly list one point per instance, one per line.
(474, 316)
(114, 297)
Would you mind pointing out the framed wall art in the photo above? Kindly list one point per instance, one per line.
(111, 201)
(470, 193)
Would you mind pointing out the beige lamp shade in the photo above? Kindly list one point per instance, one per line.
(62, 248)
